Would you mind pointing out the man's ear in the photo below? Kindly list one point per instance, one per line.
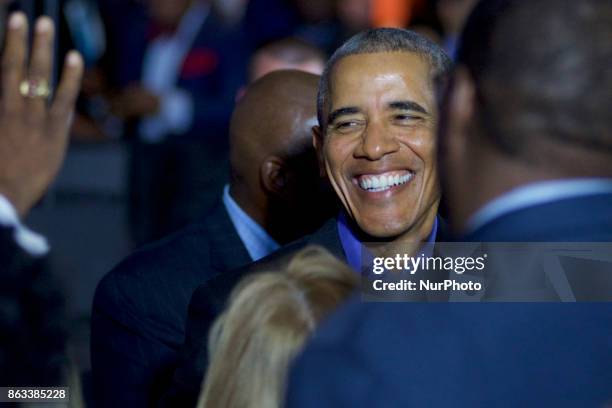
(273, 175)
(463, 97)
(317, 143)
(460, 110)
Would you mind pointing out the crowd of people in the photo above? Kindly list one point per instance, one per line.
(259, 184)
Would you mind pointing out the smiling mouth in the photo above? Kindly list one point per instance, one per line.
(384, 181)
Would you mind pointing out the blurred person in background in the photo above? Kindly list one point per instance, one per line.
(359, 15)
(286, 53)
(452, 15)
(268, 318)
(140, 308)
(87, 31)
(354, 16)
(180, 101)
(318, 24)
(231, 11)
(325, 24)
(394, 13)
(33, 137)
(265, 21)
(375, 141)
(526, 156)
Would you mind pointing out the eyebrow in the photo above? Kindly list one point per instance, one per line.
(349, 110)
(401, 105)
(408, 105)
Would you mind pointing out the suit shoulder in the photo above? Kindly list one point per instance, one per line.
(187, 248)
(186, 252)
(214, 291)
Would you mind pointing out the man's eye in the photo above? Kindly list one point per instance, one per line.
(406, 117)
(346, 125)
(407, 120)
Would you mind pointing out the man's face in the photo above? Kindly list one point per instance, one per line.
(379, 144)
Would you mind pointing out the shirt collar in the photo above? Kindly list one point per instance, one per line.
(535, 194)
(257, 241)
(353, 247)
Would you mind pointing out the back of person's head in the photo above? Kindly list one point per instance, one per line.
(274, 169)
(267, 320)
(529, 100)
(542, 75)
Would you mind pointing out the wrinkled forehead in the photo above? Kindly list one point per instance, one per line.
(368, 81)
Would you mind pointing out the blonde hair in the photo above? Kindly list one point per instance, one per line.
(268, 318)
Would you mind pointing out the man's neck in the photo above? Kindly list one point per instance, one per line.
(496, 174)
(274, 221)
(537, 193)
(249, 204)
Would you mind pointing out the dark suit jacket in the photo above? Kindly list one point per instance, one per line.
(33, 325)
(475, 354)
(209, 300)
(140, 308)
(212, 71)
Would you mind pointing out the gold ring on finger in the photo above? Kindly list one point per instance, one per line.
(35, 88)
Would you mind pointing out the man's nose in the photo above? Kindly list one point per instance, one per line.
(376, 142)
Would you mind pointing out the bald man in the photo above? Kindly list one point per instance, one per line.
(140, 308)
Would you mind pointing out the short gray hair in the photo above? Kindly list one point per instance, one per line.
(382, 40)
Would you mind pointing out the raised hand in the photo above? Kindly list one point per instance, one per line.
(34, 124)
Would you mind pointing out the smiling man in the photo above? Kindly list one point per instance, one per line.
(526, 156)
(376, 137)
(376, 144)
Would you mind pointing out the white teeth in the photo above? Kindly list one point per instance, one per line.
(383, 182)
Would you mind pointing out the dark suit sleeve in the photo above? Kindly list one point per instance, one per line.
(12, 257)
(206, 304)
(129, 361)
(331, 378)
(33, 330)
(331, 372)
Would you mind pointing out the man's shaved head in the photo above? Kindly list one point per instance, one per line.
(274, 117)
(275, 176)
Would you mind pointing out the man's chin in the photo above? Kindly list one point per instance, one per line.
(383, 232)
